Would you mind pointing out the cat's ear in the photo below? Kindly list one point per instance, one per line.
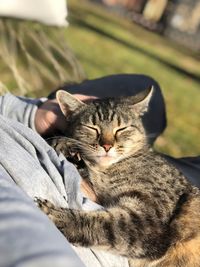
(142, 101)
(67, 102)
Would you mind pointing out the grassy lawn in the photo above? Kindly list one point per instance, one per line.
(107, 44)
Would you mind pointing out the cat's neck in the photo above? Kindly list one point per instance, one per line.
(104, 177)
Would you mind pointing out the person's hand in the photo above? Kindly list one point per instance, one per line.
(49, 118)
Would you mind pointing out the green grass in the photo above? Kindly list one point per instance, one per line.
(107, 44)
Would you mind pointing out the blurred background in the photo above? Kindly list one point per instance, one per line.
(159, 38)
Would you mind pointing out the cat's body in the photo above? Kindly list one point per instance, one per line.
(152, 213)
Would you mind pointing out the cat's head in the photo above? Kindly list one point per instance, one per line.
(111, 129)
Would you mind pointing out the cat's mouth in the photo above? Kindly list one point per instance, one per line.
(105, 159)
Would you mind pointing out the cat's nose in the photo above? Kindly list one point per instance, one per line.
(107, 147)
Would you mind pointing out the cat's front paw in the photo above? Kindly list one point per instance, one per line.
(54, 213)
(60, 216)
(45, 205)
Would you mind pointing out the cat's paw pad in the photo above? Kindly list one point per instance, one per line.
(54, 213)
(45, 205)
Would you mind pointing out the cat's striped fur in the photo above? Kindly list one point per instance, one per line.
(152, 213)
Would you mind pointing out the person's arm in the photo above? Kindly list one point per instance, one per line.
(41, 115)
(28, 161)
(19, 109)
(28, 237)
(30, 168)
(45, 120)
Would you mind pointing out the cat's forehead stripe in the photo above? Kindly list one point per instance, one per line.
(100, 114)
(113, 116)
(91, 119)
(110, 115)
(105, 113)
(118, 120)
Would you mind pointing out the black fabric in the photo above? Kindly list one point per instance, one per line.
(125, 85)
(189, 166)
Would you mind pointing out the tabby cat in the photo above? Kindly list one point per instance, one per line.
(152, 213)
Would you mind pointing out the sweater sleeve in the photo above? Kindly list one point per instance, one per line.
(20, 109)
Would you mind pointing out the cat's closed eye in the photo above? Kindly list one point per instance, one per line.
(121, 130)
(95, 129)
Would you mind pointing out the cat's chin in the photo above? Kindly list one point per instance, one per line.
(106, 161)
